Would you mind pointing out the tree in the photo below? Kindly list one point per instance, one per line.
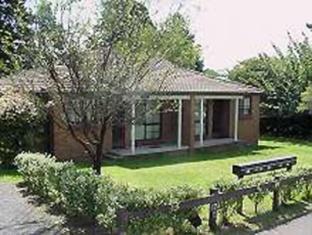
(184, 52)
(96, 74)
(306, 100)
(211, 73)
(281, 77)
(15, 30)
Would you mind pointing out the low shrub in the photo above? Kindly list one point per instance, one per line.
(81, 193)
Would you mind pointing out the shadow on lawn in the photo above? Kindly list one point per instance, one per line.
(292, 141)
(270, 220)
(163, 159)
(6, 171)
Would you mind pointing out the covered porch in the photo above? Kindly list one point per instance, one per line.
(145, 150)
(200, 121)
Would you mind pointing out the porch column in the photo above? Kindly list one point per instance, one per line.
(192, 124)
(201, 121)
(236, 119)
(179, 139)
(133, 129)
(210, 118)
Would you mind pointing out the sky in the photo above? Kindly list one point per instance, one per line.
(230, 31)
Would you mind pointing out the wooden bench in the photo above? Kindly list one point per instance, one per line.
(242, 170)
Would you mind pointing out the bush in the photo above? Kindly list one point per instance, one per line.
(297, 125)
(81, 193)
(19, 113)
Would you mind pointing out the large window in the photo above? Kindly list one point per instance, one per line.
(149, 127)
(245, 106)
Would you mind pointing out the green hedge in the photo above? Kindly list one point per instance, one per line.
(80, 193)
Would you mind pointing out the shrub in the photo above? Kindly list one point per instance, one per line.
(297, 126)
(81, 193)
(19, 113)
(79, 189)
(42, 174)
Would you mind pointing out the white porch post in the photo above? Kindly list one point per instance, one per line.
(201, 121)
(179, 141)
(236, 119)
(133, 129)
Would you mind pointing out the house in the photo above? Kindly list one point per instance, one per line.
(209, 112)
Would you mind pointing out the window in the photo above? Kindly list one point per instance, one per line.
(149, 128)
(245, 106)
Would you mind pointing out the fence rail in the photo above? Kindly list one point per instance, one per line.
(124, 216)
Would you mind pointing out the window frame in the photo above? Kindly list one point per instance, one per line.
(244, 110)
(147, 124)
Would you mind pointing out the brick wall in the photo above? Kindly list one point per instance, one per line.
(248, 128)
(67, 148)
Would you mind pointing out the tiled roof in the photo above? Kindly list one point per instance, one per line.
(177, 81)
(194, 82)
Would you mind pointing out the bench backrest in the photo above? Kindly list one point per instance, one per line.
(263, 166)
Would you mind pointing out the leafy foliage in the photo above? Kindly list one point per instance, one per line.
(282, 77)
(81, 193)
(183, 50)
(15, 31)
(19, 112)
(298, 125)
(306, 100)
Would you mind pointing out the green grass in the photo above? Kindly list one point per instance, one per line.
(201, 168)
(9, 175)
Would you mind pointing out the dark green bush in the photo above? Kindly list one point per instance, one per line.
(297, 126)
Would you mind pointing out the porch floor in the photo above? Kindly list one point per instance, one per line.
(144, 150)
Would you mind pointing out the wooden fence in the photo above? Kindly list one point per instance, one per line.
(215, 197)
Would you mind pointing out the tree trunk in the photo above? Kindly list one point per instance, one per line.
(97, 160)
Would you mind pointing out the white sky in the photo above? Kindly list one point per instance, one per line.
(233, 30)
(230, 31)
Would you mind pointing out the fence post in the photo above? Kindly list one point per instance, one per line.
(122, 221)
(213, 212)
(240, 200)
(276, 195)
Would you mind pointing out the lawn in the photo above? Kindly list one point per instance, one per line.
(201, 168)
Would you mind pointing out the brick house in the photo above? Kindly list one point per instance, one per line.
(210, 112)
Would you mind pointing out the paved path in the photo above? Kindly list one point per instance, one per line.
(18, 216)
(300, 226)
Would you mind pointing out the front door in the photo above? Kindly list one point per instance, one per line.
(221, 119)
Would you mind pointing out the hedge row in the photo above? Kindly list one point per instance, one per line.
(80, 193)
(297, 125)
